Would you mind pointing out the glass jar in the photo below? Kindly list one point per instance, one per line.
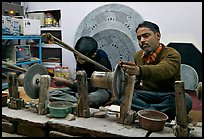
(58, 71)
(49, 20)
(65, 72)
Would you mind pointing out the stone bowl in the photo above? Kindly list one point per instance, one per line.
(152, 120)
(60, 109)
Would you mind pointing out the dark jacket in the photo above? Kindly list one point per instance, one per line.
(101, 58)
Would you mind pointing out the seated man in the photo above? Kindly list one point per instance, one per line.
(157, 67)
(89, 47)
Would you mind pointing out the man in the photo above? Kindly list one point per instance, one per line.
(156, 67)
(88, 46)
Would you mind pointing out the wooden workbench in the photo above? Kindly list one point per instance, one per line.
(27, 122)
(31, 124)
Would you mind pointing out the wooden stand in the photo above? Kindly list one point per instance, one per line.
(82, 108)
(181, 129)
(127, 116)
(43, 91)
(15, 101)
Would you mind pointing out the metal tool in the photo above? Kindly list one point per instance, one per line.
(32, 80)
(13, 66)
(36, 82)
(121, 85)
(114, 81)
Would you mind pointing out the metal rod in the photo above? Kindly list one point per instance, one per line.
(14, 66)
(55, 40)
(12, 69)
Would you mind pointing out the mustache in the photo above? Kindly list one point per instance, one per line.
(143, 45)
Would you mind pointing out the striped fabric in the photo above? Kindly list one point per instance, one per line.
(152, 56)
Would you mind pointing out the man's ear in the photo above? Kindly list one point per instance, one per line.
(158, 35)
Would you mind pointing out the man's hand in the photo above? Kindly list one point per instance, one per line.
(130, 67)
(61, 81)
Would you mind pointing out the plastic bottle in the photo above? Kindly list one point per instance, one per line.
(65, 72)
(58, 71)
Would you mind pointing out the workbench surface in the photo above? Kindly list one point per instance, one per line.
(94, 127)
(26, 121)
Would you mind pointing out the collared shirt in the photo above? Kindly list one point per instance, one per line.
(149, 58)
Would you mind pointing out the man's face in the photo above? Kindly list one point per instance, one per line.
(147, 39)
(80, 60)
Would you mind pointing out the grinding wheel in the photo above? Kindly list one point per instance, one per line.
(32, 80)
(118, 81)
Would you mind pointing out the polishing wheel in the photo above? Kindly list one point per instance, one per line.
(32, 80)
(115, 81)
(119, 81)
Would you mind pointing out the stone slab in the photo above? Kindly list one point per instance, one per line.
(25, 116)
(92, 126)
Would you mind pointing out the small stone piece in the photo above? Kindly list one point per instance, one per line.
(100, 114)
(70, 117)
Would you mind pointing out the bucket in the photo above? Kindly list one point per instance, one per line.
(60, 109)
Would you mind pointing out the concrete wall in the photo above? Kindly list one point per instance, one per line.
(178, 21)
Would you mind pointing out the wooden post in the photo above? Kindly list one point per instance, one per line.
(13, 85)
(15, 101)
(126, 114)
(181, 113)
(198, 91)
(43, 92)
(82, 109)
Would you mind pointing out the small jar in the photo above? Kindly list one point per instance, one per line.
(65, 72)
(58, 71)
(49, 20)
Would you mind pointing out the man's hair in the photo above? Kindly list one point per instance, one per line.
(86, 45)
(152, 26)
